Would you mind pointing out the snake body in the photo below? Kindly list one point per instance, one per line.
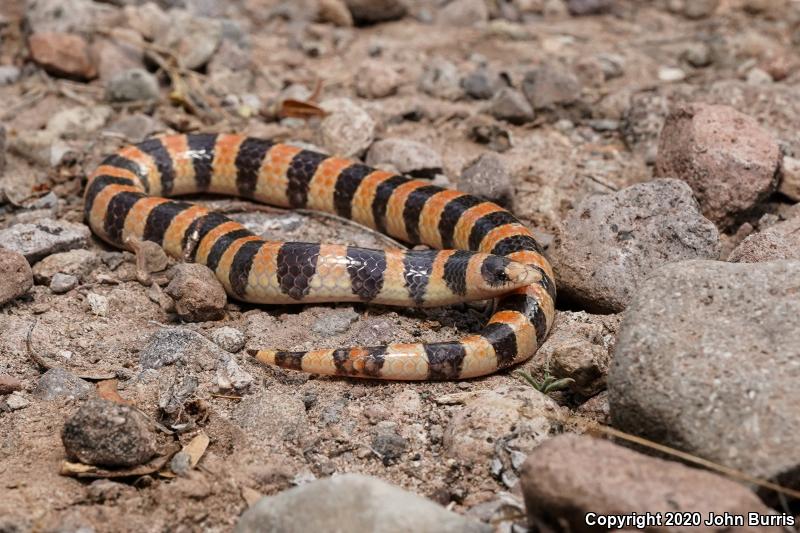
(483, 251)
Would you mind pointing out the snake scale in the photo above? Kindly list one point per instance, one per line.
(481, 250)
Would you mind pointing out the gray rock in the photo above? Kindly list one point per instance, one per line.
(407, 157)
(58, 383)
(61, 283)
(698, 54)
(232, 376)
(488, 178)
(570, 476)
(16, 276)
(510, 105)
(68, 15)
(708, 361)
(642, 121)
(16, 401)
(372, 11)
(78, 263)
(228, 338)
(347, 130)
(463, 13)
(376, 79)
(198, 294)
(193, 39)
(36, 241)
(105, 433)
(334, 321)
(780, 241)
(550, 86)
(271, 416)
(133, 85)
(697, 9)
(580, 8)
(355, 503)
(440, 79)
(610, 243)
(387, 443)
(730, 162)
(78, 122)
(508, 413)
(481, 83)
(8, 74)
(168, 346)
(135, 128)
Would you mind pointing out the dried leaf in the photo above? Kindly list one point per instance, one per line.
(107, 390)
(197, 447)
(298, 109)
(82, 470)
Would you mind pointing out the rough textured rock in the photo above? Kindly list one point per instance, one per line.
(706, 361)
(519, 416)
(59, 383)
(63, 283)
(780, 241)
(132, 85)
(609, 243)
(728, 159)
(463, 13)
(16, 276)
(481, 83)
(377, 80)
(488, 178)
(270, 415)
(232, 376)
(440, 79)
(407, 157)
(36, 241)
(78, 122)
(62, 54)
(178, 345)
(354, 503)
(78, 263)
(228, 338)
(790, 178)
(105, 433)
(580, 348)
(549, 86)
(198, 294)
(510, 105)
(372, 11)
(194, 39)
(347, 130)
(571, 475)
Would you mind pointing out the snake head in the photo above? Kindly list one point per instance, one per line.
(500, 272)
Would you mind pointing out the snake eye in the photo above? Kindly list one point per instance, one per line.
(494, 271)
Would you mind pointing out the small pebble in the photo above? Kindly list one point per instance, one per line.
(60, 383)
(16, 401)
(16, 276)
(334, 322)
(408, 157)
(8, 74)
(510, 105)
(347, 130)
(133, 85)
(181, 464)
(98, 303)
(440, 78)
(61, 283)
(487, 177)
(228, 338)
(197, 292)
(671, 74)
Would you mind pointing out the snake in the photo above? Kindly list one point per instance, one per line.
(474, 249)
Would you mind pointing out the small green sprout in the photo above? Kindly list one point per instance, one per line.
(547, 384)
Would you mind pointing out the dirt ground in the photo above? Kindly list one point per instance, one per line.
(286, 428)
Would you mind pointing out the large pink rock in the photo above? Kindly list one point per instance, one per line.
(62, 54)
(730, 161)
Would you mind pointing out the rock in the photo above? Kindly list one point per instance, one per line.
(41, 147)
(780, 241)
(488, 178)
(180, 346)
(463, 13)
(105, 433)
(62, 283)
(104, 490)
(550, 86)
(58, 383)
(135, 128)
(697, 9)
(133, 85)
(730, 162)
(198, 294)
(9, 384)
(347, 130)
(440, 79)
(16, 276)
(642, 121)
(706, 361)
(16, 401)
(580, 348)
(355, 503)
(572, 479)
(579, 8)
(8, 74)
(271, 415)
(228, 338)
(67, 16)
(78, 263)
(671, 74)
(407, 157)
(518, 416)
(62, 54)
(596, 409)
(335, 12)
(123, 51)
(148, 19)
(372, 11)
(98, 304)
(609, 244)
(387, 443)
(231, 376)
(790, 179)
(510, 105)
(193, 39)
(484, 130)
(376, 79)
(334, 321)
(698, 54)
(79, 122)
(481, 83)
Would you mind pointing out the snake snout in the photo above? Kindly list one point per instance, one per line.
(498, 271)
